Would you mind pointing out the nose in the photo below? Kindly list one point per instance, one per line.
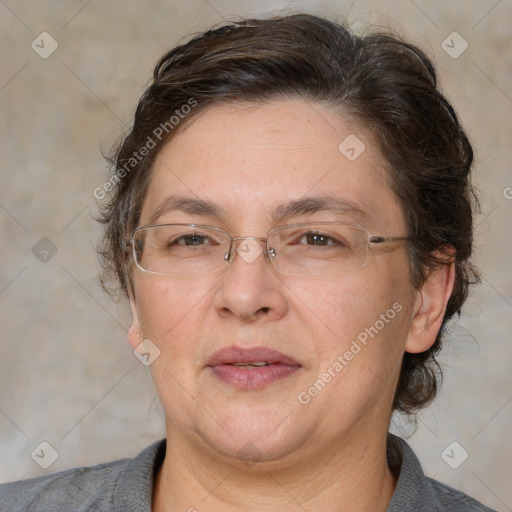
(250, 289)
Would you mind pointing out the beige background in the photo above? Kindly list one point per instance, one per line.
(67, 376)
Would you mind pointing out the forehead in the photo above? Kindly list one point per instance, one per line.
(251, 161)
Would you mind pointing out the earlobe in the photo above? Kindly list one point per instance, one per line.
(134, 332)
(429, 309)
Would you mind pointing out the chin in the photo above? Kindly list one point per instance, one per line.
(255, 441)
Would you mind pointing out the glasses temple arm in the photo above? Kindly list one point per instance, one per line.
(375, 239)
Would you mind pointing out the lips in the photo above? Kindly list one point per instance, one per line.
(237, 355)
(251, 368)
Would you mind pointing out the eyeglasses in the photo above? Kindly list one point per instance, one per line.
(316, 249)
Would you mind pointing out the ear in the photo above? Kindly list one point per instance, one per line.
(135, 336)
(430, 306)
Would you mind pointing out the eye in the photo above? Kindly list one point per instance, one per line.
(192, 239)
(317, 239)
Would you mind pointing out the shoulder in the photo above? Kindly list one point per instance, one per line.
(100, 488)
(452, 499)
(419, 493)
(62, 490)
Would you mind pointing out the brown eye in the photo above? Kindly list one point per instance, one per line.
(317, 239)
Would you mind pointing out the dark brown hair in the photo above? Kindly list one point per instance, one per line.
(386, 85)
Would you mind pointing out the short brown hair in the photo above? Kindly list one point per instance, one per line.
(387, 85)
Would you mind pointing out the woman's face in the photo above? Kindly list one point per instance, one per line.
(338, 339)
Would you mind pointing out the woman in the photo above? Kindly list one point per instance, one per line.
(291, 221)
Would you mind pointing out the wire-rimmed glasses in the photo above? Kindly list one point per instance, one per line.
(317, 249)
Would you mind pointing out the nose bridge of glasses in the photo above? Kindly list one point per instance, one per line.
(249, 248)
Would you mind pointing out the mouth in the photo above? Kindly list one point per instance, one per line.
(255, 364)
(251, 368)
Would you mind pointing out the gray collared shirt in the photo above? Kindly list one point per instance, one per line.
(126, 486)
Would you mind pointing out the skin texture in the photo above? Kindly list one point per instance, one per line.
(330, 453)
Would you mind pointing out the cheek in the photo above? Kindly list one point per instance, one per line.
(380, 320)
(364, 355)
(364, 318)
(343, 307)
(172, 315)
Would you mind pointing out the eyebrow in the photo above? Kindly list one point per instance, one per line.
(309, 205)
(294, 208)
(188, 205)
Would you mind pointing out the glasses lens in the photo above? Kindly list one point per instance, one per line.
(318, 249)
(180, 249)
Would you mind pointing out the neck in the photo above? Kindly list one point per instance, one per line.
(352, 474)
